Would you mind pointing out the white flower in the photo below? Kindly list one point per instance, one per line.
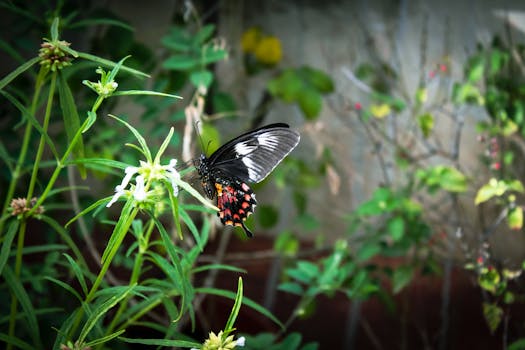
(240, 341)
(173, 175)
(140, 194)
(147, 174)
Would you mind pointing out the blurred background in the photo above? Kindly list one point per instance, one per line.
(397, 221)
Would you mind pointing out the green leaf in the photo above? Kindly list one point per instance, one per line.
(476, 69)
(143, 145)
(71, 119)
(292, 288)
(78, 273)
(443, 177)
(6, 339)
(493, 315)
(396, 228)
(286, 243)
(515, 218)
(495, 188)
(246, 301)
(7, 241)
(54, 29)
(310, 102)
(367, 251)
(17, 289)
(201, 78)
(204, 34)
(102, 309)
(111, 64)
(236, 307)
(317, 79)
(103, 339)
(467, 93)
(426, 124)
(163, 342)
(402, 277)
(287, 86)
(14, 74)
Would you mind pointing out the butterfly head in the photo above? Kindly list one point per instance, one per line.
(204, 172)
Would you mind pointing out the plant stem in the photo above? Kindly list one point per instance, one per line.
(127, 218)
(23, 152)
(135, 274)
(32, 182)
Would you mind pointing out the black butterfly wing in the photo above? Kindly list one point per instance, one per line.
(252, 156)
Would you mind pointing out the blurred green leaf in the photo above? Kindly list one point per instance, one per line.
(267, 215)
(515, 218)
(426, 124)
(493, 315)
(476, 69)
(286, 243)
(402, 277)
(310, 102)
(201, 78)
(396, 228)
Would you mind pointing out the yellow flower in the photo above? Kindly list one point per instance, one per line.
(250, 39)
(269, 51)
(380, 111)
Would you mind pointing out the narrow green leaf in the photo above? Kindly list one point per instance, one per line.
(119, 232)
(78, 273)
(91, 119)
(16, 342)
(31, 119)
(100, 203)
(111, 64)
(246, 301)
(138, 136)
(218, 267)
(163, 342)
(54, 29)
(17, 289)
(7, 241)
(11, 76)
(104, 339)
(144, 92)
(163, 146)
(101, 310)
(71, 119)
(65, 286)
(236, 307)
(193, 229)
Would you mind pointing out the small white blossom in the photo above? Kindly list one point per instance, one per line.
(140, 194)
(173, 175)
(240, 341)
(147, 173)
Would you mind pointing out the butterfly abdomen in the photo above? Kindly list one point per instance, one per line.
(236, 200)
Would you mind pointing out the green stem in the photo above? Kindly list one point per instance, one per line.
(18, 266)
(32, 182)
(135, 274)
(23, 153)
(42, 143)
(128, 217)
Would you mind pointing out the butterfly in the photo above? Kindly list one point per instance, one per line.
(248, 158)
